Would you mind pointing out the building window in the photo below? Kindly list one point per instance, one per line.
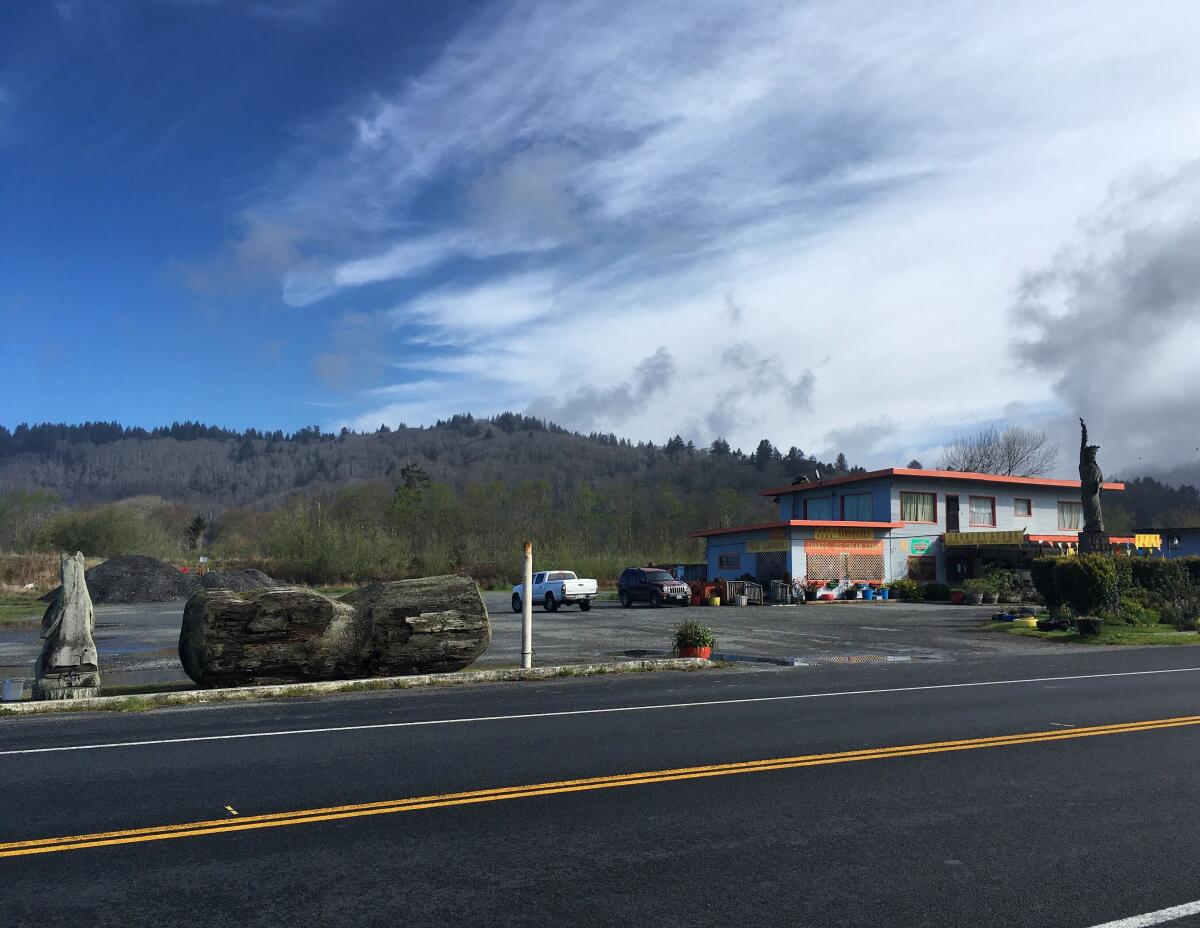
(923, 569)
(819, 508)
(856, 507)
(725, 561)
(918, 507)
(1070, 516)
(1022, 508)
(983, 511)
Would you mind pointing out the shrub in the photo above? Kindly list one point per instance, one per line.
(1043, 572)
(937, 592)
(907, 590)
(1131, 612)
(1164, 578)
(1191, 564)
(1003, 582)
(694, 635)
(1088, 582)
(976, 585)
(1124, 568)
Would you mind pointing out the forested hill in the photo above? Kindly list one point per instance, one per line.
(212, 469)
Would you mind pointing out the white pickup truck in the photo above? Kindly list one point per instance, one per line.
(554, 588)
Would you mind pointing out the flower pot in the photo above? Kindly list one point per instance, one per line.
(705, 653)
(868, 593)
(714, 600)
(885, 593)
(742, 599)
(991, 598)
(827, 597)
(957, 597)
(974, 598)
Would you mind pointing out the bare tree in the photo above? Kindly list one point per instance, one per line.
(1015, 452)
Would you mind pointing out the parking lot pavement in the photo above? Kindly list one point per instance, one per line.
(810, 632)
(138, 643)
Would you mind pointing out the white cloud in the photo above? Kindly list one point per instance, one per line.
(864, 182)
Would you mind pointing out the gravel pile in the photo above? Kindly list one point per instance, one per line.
(134, 578)
(237, 580)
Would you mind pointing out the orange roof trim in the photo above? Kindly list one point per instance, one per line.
(930, 475)
(795, 523)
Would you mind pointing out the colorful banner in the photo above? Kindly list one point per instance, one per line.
(971, 539)
(829, 534)
(761, 547)
(919, 546)
(1147, 541)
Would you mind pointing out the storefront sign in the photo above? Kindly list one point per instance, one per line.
(1147, 541)
(919, 546)
(829, 534)
(761, 547)
(843, 547)
(971, 539)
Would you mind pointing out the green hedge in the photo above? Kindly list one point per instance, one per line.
(1043, 573)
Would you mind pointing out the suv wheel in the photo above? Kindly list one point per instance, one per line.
(550, 603)
(585, 605)
(626, 602)
(516, 603)
(656, 599)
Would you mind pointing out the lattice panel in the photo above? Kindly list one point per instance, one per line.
(864, 566)
(772, 565)
(825, 566)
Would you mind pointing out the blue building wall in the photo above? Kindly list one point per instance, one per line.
(791, 505)
(1189, 542)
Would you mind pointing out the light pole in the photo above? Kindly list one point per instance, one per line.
(527, 611)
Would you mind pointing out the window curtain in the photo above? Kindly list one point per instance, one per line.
(917, 507)
(982, 512)
(819, 509)
(857, 507)
(1070, 516)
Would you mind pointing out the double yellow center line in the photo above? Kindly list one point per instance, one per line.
(445, 800)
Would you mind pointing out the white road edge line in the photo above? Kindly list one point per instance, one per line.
(1155, 918)
(570, 712)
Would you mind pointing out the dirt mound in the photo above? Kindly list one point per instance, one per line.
(237, 580)
(134, 578)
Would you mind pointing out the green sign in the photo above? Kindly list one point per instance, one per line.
(919, 545)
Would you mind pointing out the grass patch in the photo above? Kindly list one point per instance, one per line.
(18, 607)
(1109, 634)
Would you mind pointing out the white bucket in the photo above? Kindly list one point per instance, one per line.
(742, 600)
(14, 691)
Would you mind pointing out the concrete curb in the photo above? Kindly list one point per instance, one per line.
(759, 659)
(248, 693)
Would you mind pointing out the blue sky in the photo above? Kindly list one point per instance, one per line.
(853, 226)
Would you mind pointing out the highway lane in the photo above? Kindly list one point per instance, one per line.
(841, 843)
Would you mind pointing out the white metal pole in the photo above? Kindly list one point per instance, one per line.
(527, 610)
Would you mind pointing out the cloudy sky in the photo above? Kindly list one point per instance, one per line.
(845, 226)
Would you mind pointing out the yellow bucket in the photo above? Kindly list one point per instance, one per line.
(1025, 623)
(714, 600)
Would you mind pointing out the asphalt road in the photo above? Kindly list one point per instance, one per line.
(138, 643)
(1061, 826)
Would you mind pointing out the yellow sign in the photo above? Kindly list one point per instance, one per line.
(971, 539)
(773, 544)
(841, 534)
(1147, 541)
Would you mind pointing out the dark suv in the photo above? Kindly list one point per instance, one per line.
(651, 585)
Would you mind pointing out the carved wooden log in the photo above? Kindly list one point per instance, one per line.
(435, 624)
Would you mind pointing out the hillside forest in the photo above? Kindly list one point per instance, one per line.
(461, 495)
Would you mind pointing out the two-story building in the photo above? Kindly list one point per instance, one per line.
(874, 527)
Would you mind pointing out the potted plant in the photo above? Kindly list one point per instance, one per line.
(958, 597)
(694, 640)
(975, 589)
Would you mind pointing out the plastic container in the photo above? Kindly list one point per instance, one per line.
(885, 593)
(868, 593)
(742, 599)
(714, 600)
(14, 691)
